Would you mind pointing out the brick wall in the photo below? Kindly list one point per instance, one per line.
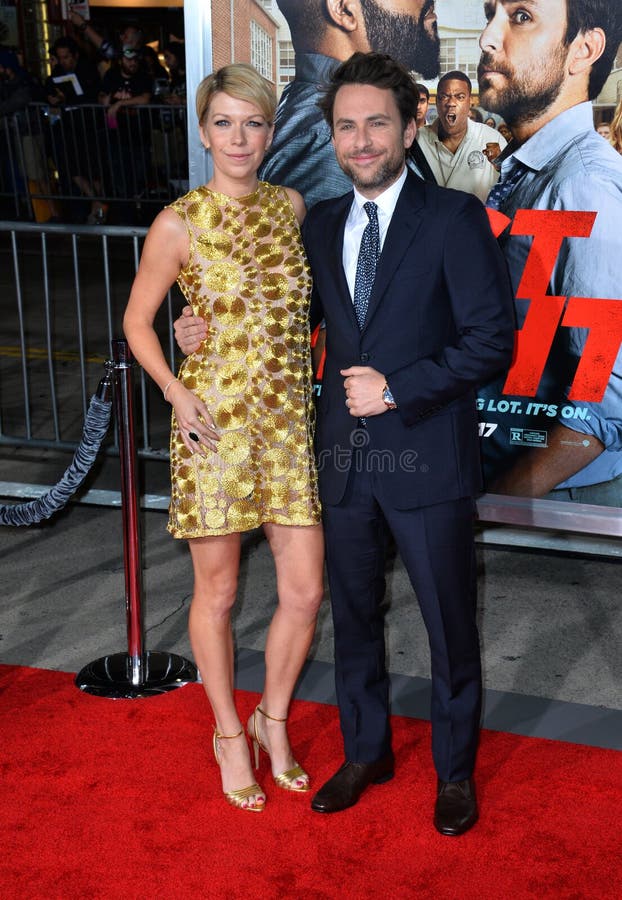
(244, 11)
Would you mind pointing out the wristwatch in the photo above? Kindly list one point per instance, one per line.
(387, 397)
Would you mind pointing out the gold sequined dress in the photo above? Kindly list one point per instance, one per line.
(248, 278)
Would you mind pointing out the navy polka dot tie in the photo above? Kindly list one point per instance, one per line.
(504, 187)
(366, 265)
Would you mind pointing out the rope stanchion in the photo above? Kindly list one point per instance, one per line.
(93, 433)
(137, 673)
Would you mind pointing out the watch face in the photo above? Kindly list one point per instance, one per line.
(387, 398)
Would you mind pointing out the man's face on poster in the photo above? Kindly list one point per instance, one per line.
(453, 101)
(422, 109)
(406, 30)
(523, 63)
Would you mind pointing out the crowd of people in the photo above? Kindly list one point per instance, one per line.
(91, 138)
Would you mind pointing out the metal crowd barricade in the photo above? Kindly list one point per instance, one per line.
(63, 291)
(56, 160)
(13, 185)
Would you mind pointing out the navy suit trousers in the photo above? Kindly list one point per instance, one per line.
(436, 545)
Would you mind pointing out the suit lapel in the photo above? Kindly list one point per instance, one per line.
(405, 223)
(334, 254)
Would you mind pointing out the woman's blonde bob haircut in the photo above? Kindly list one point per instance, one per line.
(241, 81)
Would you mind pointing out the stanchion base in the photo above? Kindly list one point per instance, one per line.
(111, 676)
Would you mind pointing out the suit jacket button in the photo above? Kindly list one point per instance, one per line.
(364, 357)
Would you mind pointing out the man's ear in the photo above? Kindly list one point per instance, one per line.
(585, 49)
(410, 133)
(345, 14)
(269, 136)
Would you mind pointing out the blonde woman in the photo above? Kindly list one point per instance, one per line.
(241, 438)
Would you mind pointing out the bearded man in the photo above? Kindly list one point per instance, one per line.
(540, 67)
(325, 33)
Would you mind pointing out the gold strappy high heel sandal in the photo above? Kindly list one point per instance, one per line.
(286, 780)
(237, 798)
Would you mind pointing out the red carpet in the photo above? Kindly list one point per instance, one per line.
(121, 799)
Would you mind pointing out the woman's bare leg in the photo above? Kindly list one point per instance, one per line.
(299, 559)
(216, 563)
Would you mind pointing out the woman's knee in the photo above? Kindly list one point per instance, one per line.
(216, 597)
(302, 601)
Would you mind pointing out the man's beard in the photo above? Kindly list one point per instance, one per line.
(524, 98)
(381, 178)
(403, 38)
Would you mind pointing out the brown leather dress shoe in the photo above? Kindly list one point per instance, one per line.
(456, 807)
(349, 782)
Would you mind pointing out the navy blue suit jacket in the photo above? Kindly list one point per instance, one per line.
(440, 323)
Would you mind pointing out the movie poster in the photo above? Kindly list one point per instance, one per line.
(551, 427)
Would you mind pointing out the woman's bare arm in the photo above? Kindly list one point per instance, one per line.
(164, 254)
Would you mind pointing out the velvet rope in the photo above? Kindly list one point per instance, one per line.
(95, 428)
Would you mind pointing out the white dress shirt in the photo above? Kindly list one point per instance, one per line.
(358, 219)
